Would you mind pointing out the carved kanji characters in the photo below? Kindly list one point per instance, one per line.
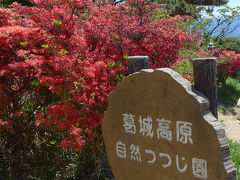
(163, 131)
(135, 153)
(199, 168)
(129, 124)
(146, 126)
(120, 149)
(184, 132)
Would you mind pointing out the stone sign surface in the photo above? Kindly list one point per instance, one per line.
(157, 127)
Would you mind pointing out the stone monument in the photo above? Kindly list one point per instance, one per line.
(158, 127)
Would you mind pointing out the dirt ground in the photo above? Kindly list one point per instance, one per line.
(230, 119)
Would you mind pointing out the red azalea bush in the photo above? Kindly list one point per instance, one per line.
(60, 59)
(228, 64)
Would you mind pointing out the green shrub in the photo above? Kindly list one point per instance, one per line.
(229, 92)
(235, 155)
(185, 68)
(228, 43)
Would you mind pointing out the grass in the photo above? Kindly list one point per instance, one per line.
(235, 154)
(229, 92)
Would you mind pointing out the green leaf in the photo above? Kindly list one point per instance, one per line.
(63, 52)
(24, 43)
(45, 46)
(222, 62)
(35, 83)
(111, 65)
(52, 142)
(115, 37)
(92, 96)
(57, 23)
(76, 83)
(122, 76)
(118, 63)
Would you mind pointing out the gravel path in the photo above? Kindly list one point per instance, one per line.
(230, 119)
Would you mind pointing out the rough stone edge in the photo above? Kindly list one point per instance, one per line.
(207, 116)
(225, 151)
(198, 96)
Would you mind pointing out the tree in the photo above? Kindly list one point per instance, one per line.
(219, 24)
(222, 24)
(228, 43)
(180, 7)
(207, 2)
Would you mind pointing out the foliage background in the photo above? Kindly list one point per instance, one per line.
(59, 61)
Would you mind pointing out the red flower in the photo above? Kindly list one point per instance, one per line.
(72, 54)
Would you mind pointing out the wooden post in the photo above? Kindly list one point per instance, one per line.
(205, 80)
(136, 63)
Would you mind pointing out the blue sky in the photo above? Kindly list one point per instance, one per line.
(233, 3)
